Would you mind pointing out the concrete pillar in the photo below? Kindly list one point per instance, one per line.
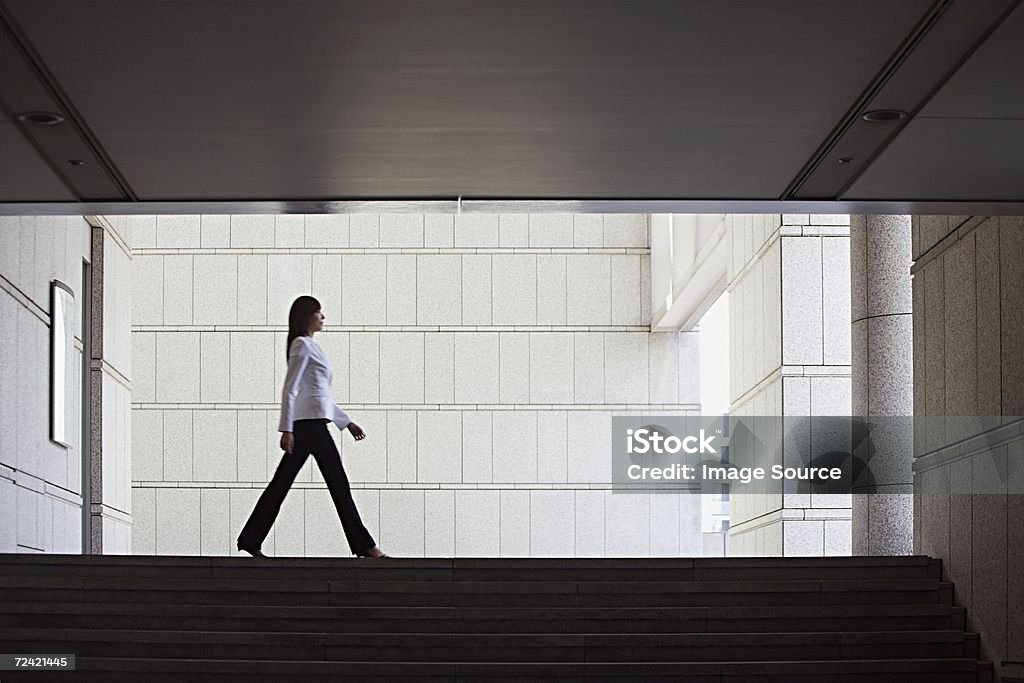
(109, 465)
(882, 350)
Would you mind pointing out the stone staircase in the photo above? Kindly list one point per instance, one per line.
(765, 620)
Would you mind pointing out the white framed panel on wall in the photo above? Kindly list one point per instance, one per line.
(62, 330)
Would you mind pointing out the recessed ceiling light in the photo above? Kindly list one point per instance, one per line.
(846, 160)
(41, 118)
(883, 115)
(76, 162)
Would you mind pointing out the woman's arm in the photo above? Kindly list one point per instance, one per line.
(297, 361)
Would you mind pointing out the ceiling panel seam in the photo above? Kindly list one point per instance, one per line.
(44, 77)
(916, 35)
(1010, 9)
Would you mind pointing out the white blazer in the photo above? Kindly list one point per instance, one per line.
(307, 391)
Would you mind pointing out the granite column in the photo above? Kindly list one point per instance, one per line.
(882, 350)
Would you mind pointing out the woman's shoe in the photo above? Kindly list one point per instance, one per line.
(255, 552)
(369, 553)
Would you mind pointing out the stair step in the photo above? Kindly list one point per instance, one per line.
(485, 620)
(946, 670)
(474, 593)
(477, 569)
(422, 647)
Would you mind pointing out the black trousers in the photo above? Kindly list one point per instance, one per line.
(311, 436)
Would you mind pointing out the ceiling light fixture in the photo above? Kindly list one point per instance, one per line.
(846, 160)
(76, 162)
(884, 115)
(41, 118)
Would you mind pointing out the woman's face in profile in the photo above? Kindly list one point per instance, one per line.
(316, 323)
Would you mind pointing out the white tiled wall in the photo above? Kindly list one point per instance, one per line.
(40, 481)
(483, 354)
(790, 328)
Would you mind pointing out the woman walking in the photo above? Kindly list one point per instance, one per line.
(307, 405)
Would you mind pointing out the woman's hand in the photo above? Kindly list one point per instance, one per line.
(287, 442)
(357, 432)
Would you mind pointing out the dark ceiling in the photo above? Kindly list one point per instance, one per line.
(300, 101)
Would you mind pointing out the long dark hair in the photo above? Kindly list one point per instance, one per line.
(299, 316)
